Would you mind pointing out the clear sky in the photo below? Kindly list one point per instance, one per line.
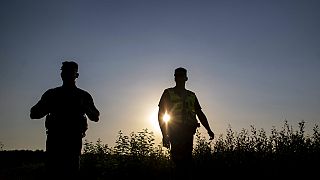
(249, 62)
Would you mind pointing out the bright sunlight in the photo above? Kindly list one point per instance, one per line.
(166, 117)
(154, 119)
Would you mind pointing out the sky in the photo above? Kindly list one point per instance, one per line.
(249, 62)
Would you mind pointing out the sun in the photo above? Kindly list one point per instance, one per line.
(166, 117)
(153, 119)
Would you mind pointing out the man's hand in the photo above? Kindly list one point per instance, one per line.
(166, 141)
(211, 134)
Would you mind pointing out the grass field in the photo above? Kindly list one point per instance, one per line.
(250, 154)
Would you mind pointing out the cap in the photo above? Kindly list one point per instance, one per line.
(69, 66)
(180, 71)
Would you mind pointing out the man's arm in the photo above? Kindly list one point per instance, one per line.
(163, 126)
(91, 110)
(163, 105)
(203, 119)
(41, 109)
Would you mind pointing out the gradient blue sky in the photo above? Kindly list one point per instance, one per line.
(249, 62)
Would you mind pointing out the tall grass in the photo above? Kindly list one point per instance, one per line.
(250, 153)
(242, 153)
(133, 155)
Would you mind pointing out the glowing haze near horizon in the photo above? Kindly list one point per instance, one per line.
(249, 62)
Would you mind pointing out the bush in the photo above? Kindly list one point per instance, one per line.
(133, 156)
(286, 153)
(247, 152)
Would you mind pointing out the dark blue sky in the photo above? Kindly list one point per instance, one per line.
(249, 62)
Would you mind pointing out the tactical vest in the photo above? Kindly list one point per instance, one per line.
(182, 110)
(67, 112)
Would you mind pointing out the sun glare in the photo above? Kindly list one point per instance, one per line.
(166, 117)
(154, 119)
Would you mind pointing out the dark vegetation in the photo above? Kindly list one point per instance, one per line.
(250, 154)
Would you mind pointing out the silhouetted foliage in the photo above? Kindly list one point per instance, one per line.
(1, 146)
(249, 153)
(22, 164)
(133, 156)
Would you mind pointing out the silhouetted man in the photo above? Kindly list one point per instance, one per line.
(66, 109)
(183, 106)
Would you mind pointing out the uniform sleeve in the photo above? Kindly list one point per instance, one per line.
(162, 108)
(91, 110)
(197, 105)
(42, 107)
(163, 100)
